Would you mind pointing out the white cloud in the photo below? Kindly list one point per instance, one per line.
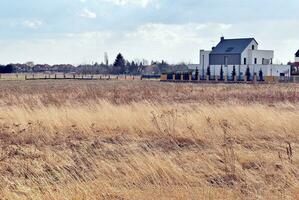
(32, 23)
(173, 34)
(143, 3)
(88, 14)
(154, 41)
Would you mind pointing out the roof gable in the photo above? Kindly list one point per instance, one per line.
(232, 46)
(297, 54)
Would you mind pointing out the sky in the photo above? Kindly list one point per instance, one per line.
(81, 31)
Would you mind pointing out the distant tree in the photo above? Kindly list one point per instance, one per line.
(209, 72)
(196, 73)
(247, 73)
(133, 69)
(119, 64)
(221, 73)
(261, 75)
(7, 69)
(234, 73)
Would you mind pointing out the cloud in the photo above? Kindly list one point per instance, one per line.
(173, 42)
(88, 14)
(143, 3)
(33, 24)
(173, 34)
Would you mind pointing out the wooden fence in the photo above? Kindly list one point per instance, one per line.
(61, 76)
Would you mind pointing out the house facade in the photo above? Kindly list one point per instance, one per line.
(297, 57)
(239, 55)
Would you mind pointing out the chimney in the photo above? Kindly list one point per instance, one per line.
(213, 48)
(222, 39)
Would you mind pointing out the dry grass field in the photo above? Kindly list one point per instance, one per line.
(77, 140)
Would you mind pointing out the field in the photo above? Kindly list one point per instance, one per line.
(148, 140)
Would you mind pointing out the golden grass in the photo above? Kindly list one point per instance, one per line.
(148, 140)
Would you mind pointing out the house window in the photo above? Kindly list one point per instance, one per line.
(263, 61)
(245, 61)
(255, 60)
(252, 47)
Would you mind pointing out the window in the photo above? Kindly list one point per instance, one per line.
(255, 60)
(229, 49)
(252, 47)
(263, 61)
(245, 61)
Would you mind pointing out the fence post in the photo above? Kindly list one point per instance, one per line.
(235, 78)
(254, 78)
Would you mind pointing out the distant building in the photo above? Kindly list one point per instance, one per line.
(239, 54)
(297, 57)
(193, 67)
(295, 65)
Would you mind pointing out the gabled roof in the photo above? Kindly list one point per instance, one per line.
(232, 46)
(297, 54)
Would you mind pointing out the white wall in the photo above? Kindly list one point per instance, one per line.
(296, 59)
(246, 54)
(204, 61)
(260, 55)
(268, 70)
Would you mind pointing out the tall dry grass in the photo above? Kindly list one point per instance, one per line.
(147, 140)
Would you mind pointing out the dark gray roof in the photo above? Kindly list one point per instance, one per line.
(297, 54)
(232, 46)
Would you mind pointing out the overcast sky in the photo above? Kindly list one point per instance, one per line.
(80, 31)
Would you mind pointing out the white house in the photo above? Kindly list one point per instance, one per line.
(240, 54)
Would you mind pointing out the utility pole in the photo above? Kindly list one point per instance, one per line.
(106, 59)
(203, 67)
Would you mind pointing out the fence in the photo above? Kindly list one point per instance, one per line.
(185, 77)
(62, 76)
